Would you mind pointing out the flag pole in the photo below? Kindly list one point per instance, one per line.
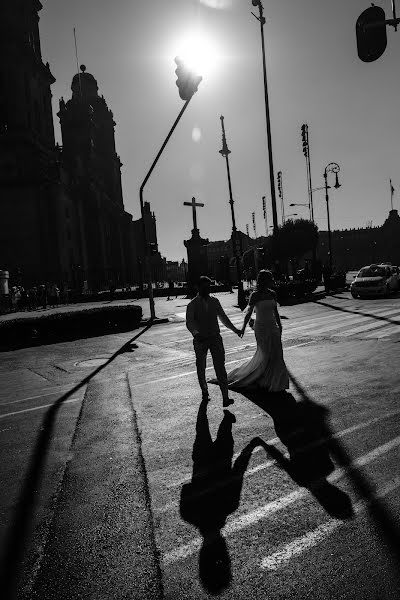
(391, 194)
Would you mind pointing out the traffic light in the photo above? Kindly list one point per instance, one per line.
(371, 34)
(187, 81)
(304, 137)
(153, 248)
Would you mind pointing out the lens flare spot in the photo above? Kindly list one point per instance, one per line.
(218, 4)
(196, 134)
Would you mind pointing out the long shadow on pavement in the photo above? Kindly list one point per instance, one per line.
(20, 529)
(213, 494)
(387, 525)
(300, 427)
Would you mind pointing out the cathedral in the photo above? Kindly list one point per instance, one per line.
(62, 216)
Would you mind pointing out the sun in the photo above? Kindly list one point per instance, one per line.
(199, 53)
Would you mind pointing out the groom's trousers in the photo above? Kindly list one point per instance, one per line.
(201, 347)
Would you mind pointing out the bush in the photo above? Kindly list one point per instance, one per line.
(66, 326)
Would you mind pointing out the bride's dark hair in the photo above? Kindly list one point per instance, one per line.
(264, 280)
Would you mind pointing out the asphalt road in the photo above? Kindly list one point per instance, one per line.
(258, 530)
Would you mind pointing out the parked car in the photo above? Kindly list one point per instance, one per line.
(374, 280)
(395, 272)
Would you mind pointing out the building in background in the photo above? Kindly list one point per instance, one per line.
(355, 248)
(62, 216)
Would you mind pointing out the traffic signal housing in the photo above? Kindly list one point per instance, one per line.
(371, 34)
(187, 81)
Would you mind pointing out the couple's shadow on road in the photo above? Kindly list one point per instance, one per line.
(215, 488)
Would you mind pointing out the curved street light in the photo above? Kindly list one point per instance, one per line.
(330, 168)
(187, 83)
(261, 19)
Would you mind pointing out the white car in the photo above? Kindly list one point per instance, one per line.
(374, 280)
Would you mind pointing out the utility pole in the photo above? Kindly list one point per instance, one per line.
(235, 241)
(261, 20)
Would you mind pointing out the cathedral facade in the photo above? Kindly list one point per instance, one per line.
(62, 216)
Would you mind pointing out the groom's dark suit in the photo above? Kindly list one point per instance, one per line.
(202, 315)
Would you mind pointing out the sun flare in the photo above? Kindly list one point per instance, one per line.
(199, 53)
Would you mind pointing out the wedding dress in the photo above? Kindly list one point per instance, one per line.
(266, 369)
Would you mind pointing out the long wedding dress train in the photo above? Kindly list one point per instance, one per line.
(266, 369)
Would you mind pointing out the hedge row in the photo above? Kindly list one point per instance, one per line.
(65, 326)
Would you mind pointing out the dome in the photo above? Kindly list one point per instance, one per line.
(84, 84)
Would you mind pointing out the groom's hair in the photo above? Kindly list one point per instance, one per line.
(204, 279)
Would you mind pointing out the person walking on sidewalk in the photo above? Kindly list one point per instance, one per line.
(202, 316)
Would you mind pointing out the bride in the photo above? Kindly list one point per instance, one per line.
(266, 369)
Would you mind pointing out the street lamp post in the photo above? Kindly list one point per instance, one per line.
(261, 20)
(187, 83)
(330, 168)
(225, 153)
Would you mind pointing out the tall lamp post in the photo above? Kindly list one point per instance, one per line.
(235, 242)
(330, 168)
(187, 83)
(261, 20)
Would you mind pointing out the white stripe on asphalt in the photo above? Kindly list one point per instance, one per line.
(231, 362)
(388, 331)
(366, 327)
(60, 390)
(254, 516)
(312, 538)
(314, 323)
(273, 442)
(19, 412)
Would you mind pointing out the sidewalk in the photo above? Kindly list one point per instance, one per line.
(101, 541)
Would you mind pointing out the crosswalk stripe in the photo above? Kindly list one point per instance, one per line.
(368, 327)
(317, 535)
(387, 331)
(231, 362)
(247, 520)
(273, 442)
(18, 412)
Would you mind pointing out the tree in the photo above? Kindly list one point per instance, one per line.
(293, 239)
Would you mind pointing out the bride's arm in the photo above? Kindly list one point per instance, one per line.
(277, 317)
(249, 312)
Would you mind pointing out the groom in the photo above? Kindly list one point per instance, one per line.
(202, 315)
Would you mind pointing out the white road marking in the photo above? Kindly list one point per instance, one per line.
(251, 518)
(273, 442)
(367, 327)
(231, 362)
(388, 331)
(58, 391)
(19, 412)
(312, 538)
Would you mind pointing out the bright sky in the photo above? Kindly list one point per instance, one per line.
(315, 76)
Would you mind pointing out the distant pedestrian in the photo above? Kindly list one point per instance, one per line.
(327, 274)
(170, 289)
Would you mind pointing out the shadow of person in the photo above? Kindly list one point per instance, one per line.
(212, 494)
(301, 427)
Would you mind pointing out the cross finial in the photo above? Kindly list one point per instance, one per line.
(194, 204)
